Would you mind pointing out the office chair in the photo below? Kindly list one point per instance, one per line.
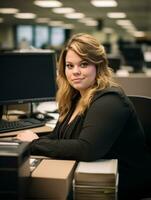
(142, 105)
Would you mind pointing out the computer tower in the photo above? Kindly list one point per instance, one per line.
(14, 170)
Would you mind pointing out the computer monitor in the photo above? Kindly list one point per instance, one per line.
(114, 62)
(27, 77)
(133, 56)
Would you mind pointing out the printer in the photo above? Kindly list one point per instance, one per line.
(14, 170)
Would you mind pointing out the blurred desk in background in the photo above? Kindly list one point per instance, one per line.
(135, 84)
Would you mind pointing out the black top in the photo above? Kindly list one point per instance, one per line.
(109, 129)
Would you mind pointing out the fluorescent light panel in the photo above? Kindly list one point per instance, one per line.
(108, 30)
(74, 15)
(116, 15)
(8, 10)
(56, 23)
(48, 4)
(88, 21)
(25, 15)
(124, 22)
(68, 26)
(63, 10)
(42, 20)
(104, 3)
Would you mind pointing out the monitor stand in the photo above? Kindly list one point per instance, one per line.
(30, 113)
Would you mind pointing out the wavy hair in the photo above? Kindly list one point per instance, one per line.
(89, 49)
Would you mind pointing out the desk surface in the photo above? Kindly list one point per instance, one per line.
(36, 130)
(41, 129)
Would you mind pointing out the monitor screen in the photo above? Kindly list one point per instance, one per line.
(133, 56)
(27, 77)
(114, 62)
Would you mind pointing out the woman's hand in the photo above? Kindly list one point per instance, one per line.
(27, 136)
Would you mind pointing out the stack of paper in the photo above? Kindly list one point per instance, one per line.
(96, 180)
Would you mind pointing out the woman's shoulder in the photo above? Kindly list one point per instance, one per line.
(111, 91)
(115, 94)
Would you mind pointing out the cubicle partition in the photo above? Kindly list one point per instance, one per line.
(136, 84)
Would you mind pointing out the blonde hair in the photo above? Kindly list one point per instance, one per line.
(88, 48)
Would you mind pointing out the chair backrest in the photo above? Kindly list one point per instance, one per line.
(143, 108)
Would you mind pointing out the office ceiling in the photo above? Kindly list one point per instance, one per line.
(138, 11)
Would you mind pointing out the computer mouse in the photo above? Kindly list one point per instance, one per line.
(40, 116)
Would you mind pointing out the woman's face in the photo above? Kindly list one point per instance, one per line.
(80, 73)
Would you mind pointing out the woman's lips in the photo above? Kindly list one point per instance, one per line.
(77, 79)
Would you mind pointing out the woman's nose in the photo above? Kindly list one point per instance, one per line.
(76, 69)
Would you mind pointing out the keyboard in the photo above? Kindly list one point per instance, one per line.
(7, 126)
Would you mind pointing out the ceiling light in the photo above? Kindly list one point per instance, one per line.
(108, 30)
(42, 20)
(25, 15)
(8, 10)
(55, 23)
(63, 10)
(139, 33)
(88, 21)
(48, 4)
(74, 15)
(68, 26)
(91, 23)
(124, 22)
(104, 3)
(116, 15)
(85, 19)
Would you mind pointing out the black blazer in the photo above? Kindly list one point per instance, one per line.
(109, 129)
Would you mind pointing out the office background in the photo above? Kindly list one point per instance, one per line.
(125, 27)
(44, 24)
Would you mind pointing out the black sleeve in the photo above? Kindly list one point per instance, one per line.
(104, 121)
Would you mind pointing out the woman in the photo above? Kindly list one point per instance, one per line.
(96, 119)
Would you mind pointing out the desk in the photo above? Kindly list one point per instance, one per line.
(38, 130)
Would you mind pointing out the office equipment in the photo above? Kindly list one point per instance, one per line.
(107, 47)
(6, 126)
(134, 57)
(14, 170)
(114, 62)
(52, 179)
(27, 77)
(96, 180)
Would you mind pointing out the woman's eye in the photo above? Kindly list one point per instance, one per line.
(84, 64)
(70, 66)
